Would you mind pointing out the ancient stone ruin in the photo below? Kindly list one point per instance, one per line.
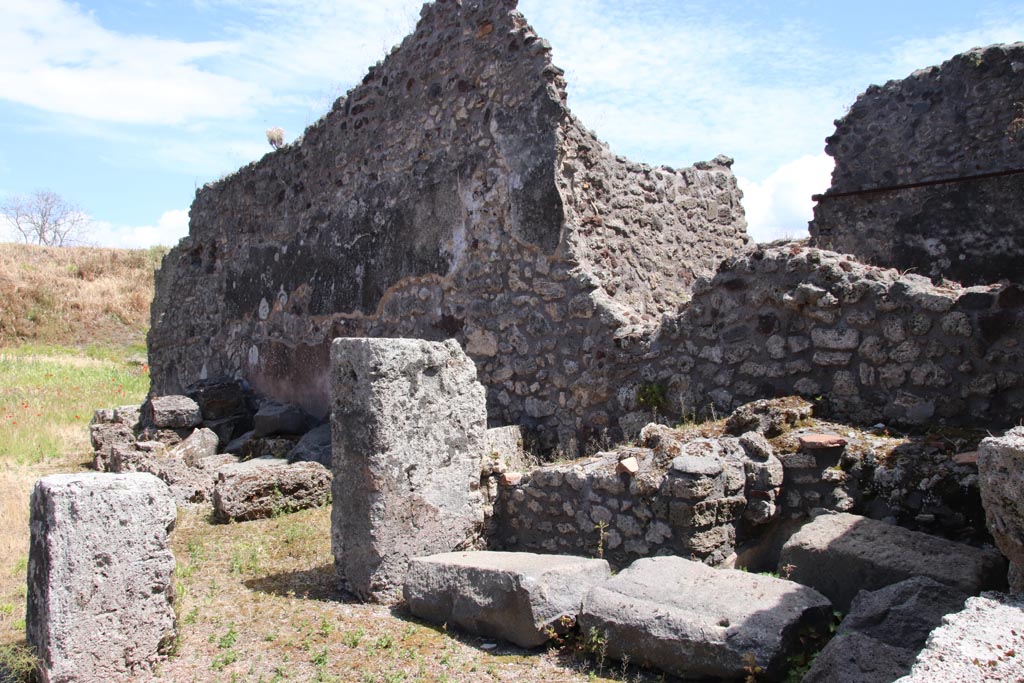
(928, 171)
(448, 266)
(99, 576)
(450, 195)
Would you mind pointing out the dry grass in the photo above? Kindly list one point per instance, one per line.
(258, 602)
(74, 296)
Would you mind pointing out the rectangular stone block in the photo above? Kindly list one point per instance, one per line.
(99, 576)
(519, 597)
(841, 554)
(408, 421)
(697, 622)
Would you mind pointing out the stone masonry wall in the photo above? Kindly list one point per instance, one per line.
(867, 344)
(450, 195)
(963, 119)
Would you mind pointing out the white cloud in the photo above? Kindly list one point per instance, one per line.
(669, 85)
(780, 205)
(56, 58)
(170, 227)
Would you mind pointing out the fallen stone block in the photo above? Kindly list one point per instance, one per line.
(881, 636)
(130, 416)
(280, 418)
(200, 444)
(1001, 480)
(104, 436)
(842, 554)
(266, 487)
(190, 484)
(219, 399)
(315, 446)
(99, 576)
(408, 420)
(519, 597)
(171, 412)
(983, 642)
(693, 621)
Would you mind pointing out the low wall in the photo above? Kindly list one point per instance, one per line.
(866, 344)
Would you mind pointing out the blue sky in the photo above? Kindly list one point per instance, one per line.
(126, 107)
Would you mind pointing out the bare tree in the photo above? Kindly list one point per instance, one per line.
(44, 217)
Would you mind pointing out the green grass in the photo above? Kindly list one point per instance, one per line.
(48, 394)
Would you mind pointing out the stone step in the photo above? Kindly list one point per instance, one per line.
(520, 597)
(841, 554)
(693, 621)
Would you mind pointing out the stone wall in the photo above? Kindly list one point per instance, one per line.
(450, 195)
(866, 344)
(961, 120)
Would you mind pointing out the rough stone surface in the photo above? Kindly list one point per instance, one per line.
(171, 412)
(768, 416)
(940, 124)
(103, 437)
(408, 420)
(314, 446)
(191, 480)
(518, 597)
(99, 576)
(450, 194)
(880, 637)
(982, 642)
(130, 416)
(1001, 479)
(200, 444)
(816, 441)
(694, 621)
(266, 487)
(280, 418)
(842, 554)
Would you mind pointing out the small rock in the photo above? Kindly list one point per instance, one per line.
(315, 446)
(813, 442)
(966, 458)
(511, 478)
(200, 444)
(628, 466)
(280, 418)
(172, 412)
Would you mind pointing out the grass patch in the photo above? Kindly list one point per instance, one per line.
(47, 400)
(47, 397)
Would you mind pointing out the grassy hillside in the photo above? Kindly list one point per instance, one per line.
(73, 325)
(76, 296)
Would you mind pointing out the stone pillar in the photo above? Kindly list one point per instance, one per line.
(99, 575)
(408, 420)
(1000, 477)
